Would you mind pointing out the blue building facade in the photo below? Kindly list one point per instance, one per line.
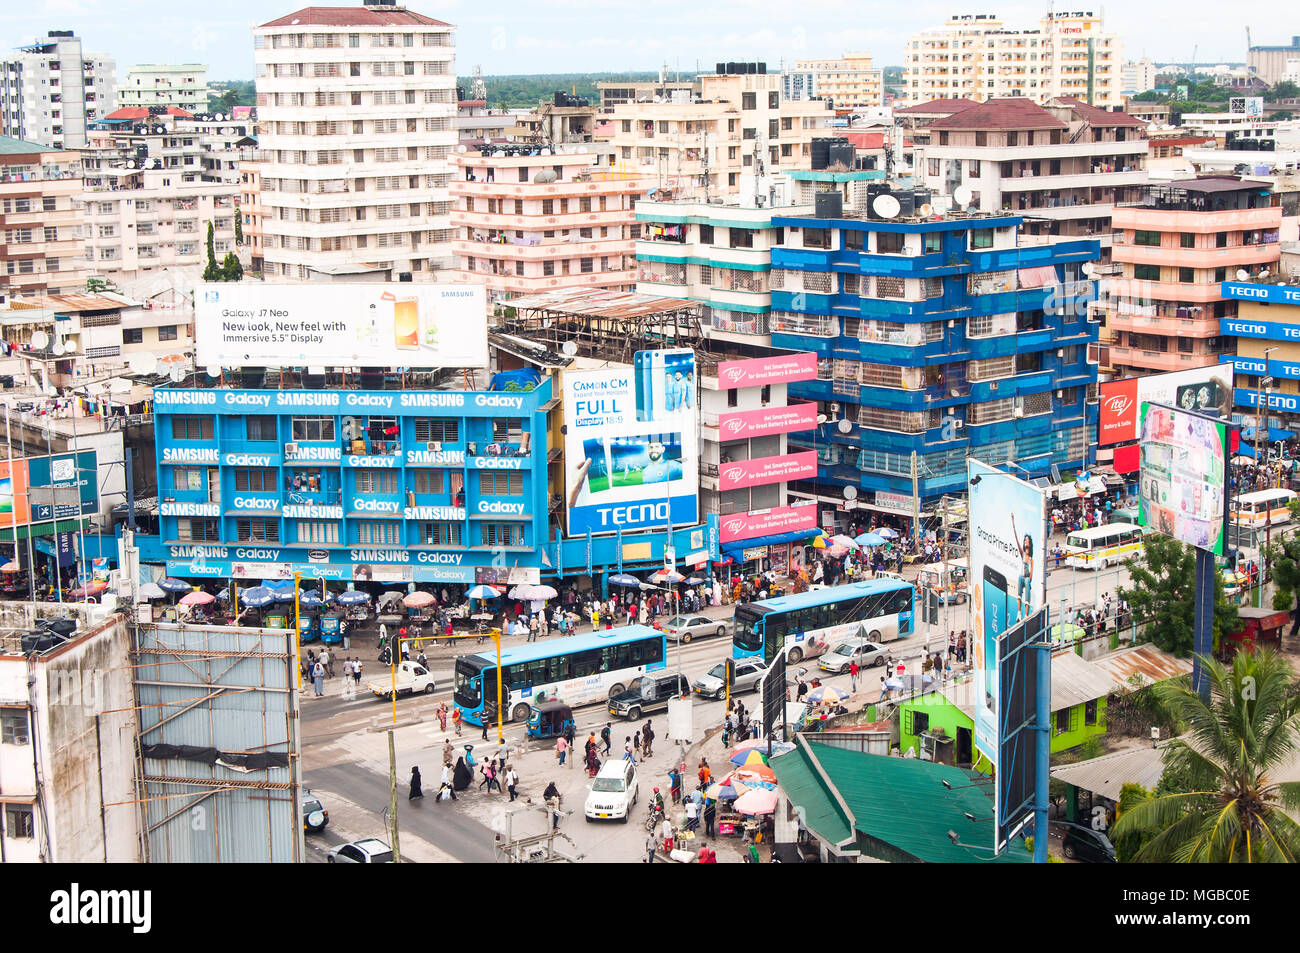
(944, 339)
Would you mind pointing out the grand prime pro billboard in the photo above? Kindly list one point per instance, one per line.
(631, 445)
(340, 325)
(1007, 554)
(1206, 390)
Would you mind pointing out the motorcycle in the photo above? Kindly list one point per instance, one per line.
(654, 817)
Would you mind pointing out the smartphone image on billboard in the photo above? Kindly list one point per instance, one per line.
(594, 450)
(996, 607)
(652, 458)
(643, 375)
(406, 323)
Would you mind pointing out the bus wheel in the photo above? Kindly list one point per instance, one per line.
(796, 655)
(874, 635)
(520, 713)
(616, 688)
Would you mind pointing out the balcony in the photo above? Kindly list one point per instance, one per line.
(1159, 360)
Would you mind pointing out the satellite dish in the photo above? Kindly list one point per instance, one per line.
(130, 163)
(462, 148)
(40, 340)
(546, 152)
(213, 370)
(69, 345)
(926, 210)
(177, 373)
(850, 493)
(569, 348)
(220, 117)
(886, 206)
(845, 425)
(1242, 274)
(1088, 268)
(56, 347)
(962, 195)
(142, 363)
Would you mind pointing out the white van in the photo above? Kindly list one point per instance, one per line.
(613, 793)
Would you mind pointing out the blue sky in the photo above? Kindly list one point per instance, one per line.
(527, 36)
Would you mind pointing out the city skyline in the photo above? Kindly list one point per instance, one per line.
(517, 38)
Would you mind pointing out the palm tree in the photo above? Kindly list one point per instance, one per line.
(1233, 748)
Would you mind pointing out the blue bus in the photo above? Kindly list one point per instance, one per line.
(577, 669)
(802, 625)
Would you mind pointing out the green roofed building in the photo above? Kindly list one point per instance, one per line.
(864, 807)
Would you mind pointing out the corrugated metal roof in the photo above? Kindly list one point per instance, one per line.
(10, 146)
(1152, 664)
(596, 302)
(1075, 681)
(1107, 774)
(804, 786)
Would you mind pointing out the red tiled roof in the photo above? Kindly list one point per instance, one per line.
(1099, 117)
(354, 16)
(1015, 112)
(937, 106)
(471, 102)
(142, 112)
(866, 140)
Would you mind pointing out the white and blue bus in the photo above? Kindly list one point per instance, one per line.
(577, 670)
(802, 624)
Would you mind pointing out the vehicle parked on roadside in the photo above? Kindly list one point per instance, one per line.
(314, 815)
(412, 679)
(648, 693)
(371, 850)
(613, 793)
(1087, 845)
(863, 651)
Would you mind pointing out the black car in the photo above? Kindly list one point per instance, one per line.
(648, 693)
(314, 815)
(1087, 845)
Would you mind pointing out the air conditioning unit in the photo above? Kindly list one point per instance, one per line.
(433, 445)
(291, 450)
(1060, 395)
(835, 408)
(952, 324)
(1060, 352)
(958, 424)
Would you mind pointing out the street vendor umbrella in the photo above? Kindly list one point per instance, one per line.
(886, 532)
(257, 597)
(174, 585)
(839, 539)
(151, 591)
(666, 575)
(899, 683)
(282, 595)
(761, 801)
(93, 588)
(531, 592)
(198, 598)
(353, 597)
(418, 599)
(755, 776)
(482, 592)
(819, 542)
(748, 756)
(870, 539)
(695, 581)
(11, 566)
(725, 790)
(828, 694)
(310, 599)
(623, 579)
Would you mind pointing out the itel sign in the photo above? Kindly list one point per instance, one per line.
(1118, 414)
(767, 420)
(783, 519)
(800, 366)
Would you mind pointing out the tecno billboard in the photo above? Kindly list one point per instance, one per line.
(782, 369)
(1206, 390)
(742, 424)
(340, 325)
(631, 445)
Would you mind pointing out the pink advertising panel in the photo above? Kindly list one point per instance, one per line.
(767, 420)
(768, 370)
(794, 466)
(781, 519)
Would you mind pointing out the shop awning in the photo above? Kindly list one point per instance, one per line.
(737, 546)
(1275, 435)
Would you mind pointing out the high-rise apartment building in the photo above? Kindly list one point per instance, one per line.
(50, 91)
(357, 121)
(850, 82)
(1139, 76)
(1176, 247)
(977, 57)
(41, 245)
(184, 85)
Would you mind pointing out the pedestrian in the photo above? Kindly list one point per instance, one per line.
(456, 718)
(552, 797)
(675, 784)
(853, 675)
(442, 716)
(416, 790)
(706, 855)
(318, 678)
(383, 636)
(448, 752)
(328, 661)
(647, 737)
(446, 789)
(692, 814)
(532, 629)
(636, 743)
(627, 750)
(568, 739)
(651, 845)
(666, 832)
(710, 817)
(356, 670)
(604, 735)
(561, 749)
(705, 774)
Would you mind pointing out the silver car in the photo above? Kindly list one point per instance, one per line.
(687, 627)
(712, 684)
(865, 653)
(368, 851)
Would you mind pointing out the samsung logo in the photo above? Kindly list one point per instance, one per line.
(322, 454)
(454, 458)
(432, 400)
(379, 556)
(198, 552)
(189, 455)
(189, 509)
(283, 399)
(162, 395)
(303, 511)
(433, 513)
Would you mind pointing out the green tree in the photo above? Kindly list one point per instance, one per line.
(1285, 90)
(1127, 847)
(239, 229)
(231, 269)
(212, 271)
(1162, 593)
(1284, 568)
(1234, 812)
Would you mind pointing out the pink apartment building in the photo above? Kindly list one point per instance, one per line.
(1174, 248)
(530, 223)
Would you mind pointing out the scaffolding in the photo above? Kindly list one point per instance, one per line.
(217, 770)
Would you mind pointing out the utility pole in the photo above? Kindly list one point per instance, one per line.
(916, 502)
(943, 555)
(392, 799)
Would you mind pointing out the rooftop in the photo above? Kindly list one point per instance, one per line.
(935, 106)
(16, 147)
(142, 112)
(1099, 117)
(600, 303)
(1015, 112)
(353, 16)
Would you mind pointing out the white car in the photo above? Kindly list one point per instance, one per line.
(687, 627)
(368, 851)
(866, 654)
(749, 674)
(613, 793)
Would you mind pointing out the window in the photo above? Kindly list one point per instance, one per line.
(931, 242)
(507, 429)
(741, 238)
(1151, 239)
(259, 531)
(1186, 275)
(437, 429)
(194, 529)
(383, 533)
(428, 481)
(13, 726)
(1187, 240)
(981, 237)
(1090, 712)
(20, 822)
(255, 480)
(498, 483)
(748, 100)
(187, 478)
(439, 534)
(1062, 718)
(1147, 272)
(852, 239)
(920, 722)
(191, 428)
(376, 481)
(501, 534)
(889, 243)
(313, 428)
(706, 234)
(132, 335)
(316, 531)
(262, 428)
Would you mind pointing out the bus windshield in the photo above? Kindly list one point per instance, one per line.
(747, 618)
(468, 690)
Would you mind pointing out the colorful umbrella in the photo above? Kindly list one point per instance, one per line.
(418, 599)
(725, 790)
(761, 801)
(839, 539)
(11, 566)
(819, 542)
(666, 575)
(257, 597)
(870, 539)
(827, 693)
(886, 532)
(748, 756)
(623, 579)
(481, 592)
(198, 598)
(174, 585)
(353, 597)
(755, 775)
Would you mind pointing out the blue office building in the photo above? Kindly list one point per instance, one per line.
(937, 340)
